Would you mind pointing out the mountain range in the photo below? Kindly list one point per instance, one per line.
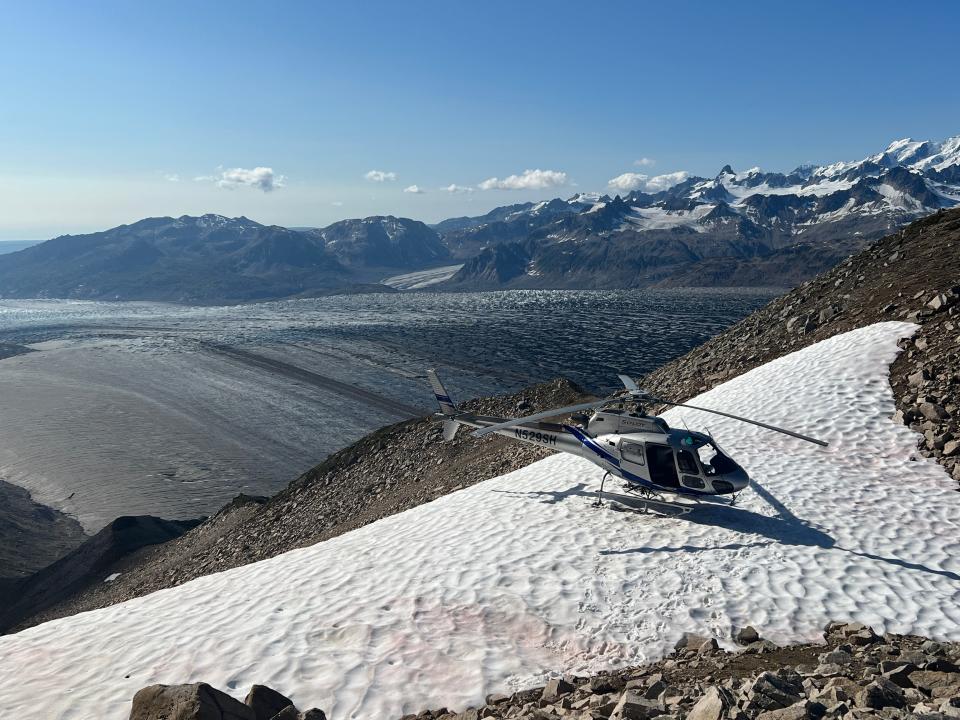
(747, 228)
(735, 229)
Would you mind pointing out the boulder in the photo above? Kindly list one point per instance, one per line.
(836, 657)
(601, 684)
(655, 689)
(932, 647)
(951, 707)
(290, 712)
(900, 675)
(879, 694)
(771, 692)
(197, 701)
(265, 702)
(803, 710)
(932, 680)
(690, 641)
(555, 688)
(747, 635)
(932, 411)
(712, 706)
(633, 706)
(760, 647)
(864, 637)
(709, 646)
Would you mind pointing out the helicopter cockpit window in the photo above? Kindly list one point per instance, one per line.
(632, 452)
(713, 460)
(707, 453)
(686, 463)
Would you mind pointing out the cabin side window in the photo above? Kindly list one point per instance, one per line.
(686, 462)
(632, 452)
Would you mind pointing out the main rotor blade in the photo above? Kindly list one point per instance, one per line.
(746, 420)
(481, 432)
(628, 383)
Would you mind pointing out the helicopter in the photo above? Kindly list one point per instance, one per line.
(622, 439)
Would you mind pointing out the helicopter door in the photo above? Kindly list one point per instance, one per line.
(632, 458)
(663, 468)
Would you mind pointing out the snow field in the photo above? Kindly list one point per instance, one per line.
(494, 586)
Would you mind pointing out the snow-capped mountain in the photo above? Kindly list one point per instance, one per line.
(750, 227)
(382, 241)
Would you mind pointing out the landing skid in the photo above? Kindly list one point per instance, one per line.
(644, 500)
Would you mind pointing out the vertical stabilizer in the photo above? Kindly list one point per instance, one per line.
(447, 406)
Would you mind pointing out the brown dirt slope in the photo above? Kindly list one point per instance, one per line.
(914, 275)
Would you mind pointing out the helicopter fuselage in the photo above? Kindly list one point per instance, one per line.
(641, 449)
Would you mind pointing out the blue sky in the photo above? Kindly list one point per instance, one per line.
(113, 111)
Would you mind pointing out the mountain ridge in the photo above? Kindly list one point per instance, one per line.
(734, 229)
(746, 228)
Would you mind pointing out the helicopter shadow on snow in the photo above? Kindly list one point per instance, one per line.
(784, 528)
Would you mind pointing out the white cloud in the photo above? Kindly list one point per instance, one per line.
(415, 189)
(337, 203)
(380, 176)
(260, 178)
(172, 177)
(639, 181)
(527, 180)
(664, 182)
(454, 188)
(629, 181)
(645, 162)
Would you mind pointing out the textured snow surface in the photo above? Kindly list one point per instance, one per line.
(486, 589)
(422, 278)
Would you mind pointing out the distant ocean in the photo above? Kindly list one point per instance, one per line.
(148, 408)
(9, 246)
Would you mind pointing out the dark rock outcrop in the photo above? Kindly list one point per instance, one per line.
(197, 701)
(89, 565)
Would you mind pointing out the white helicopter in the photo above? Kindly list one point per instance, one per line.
(624, 441)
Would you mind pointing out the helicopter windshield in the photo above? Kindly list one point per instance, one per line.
(714, 461)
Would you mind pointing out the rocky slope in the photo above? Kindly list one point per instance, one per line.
(854, 674)
(391, 470)
(914, 275)
(31, 535)
(85, 566)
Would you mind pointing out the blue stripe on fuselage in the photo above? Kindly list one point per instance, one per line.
(589, 443)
